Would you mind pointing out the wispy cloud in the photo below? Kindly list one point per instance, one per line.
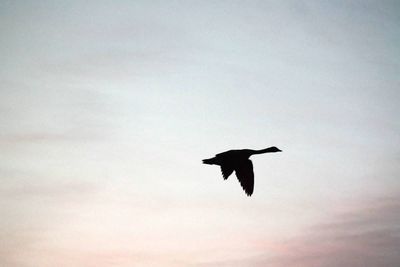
(368, 236)
(50, 190)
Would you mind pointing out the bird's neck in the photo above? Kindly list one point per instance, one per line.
(262, 151)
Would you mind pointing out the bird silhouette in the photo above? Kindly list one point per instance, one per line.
(238, 161)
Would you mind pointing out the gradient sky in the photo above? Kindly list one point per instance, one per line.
(108, 107)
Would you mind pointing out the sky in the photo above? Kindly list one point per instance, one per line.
(108, 107)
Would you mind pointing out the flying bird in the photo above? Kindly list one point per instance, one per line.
(238, 161)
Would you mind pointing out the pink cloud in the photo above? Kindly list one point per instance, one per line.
(367, 236)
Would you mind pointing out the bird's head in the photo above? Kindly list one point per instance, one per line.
(274, 149)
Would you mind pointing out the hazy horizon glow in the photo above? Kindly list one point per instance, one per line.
(108, 108)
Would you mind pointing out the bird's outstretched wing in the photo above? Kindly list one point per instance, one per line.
(245, 175)
(226, 170)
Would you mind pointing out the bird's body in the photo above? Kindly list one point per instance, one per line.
(238, 161)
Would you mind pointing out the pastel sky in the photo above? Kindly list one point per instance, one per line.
(108, 107)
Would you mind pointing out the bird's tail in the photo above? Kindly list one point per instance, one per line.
(209, 161)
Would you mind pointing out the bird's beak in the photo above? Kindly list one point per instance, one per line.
(279, 150)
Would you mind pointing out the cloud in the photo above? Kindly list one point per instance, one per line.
(48, 190)
(369, 235)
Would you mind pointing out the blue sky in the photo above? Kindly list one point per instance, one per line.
(107, 109)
